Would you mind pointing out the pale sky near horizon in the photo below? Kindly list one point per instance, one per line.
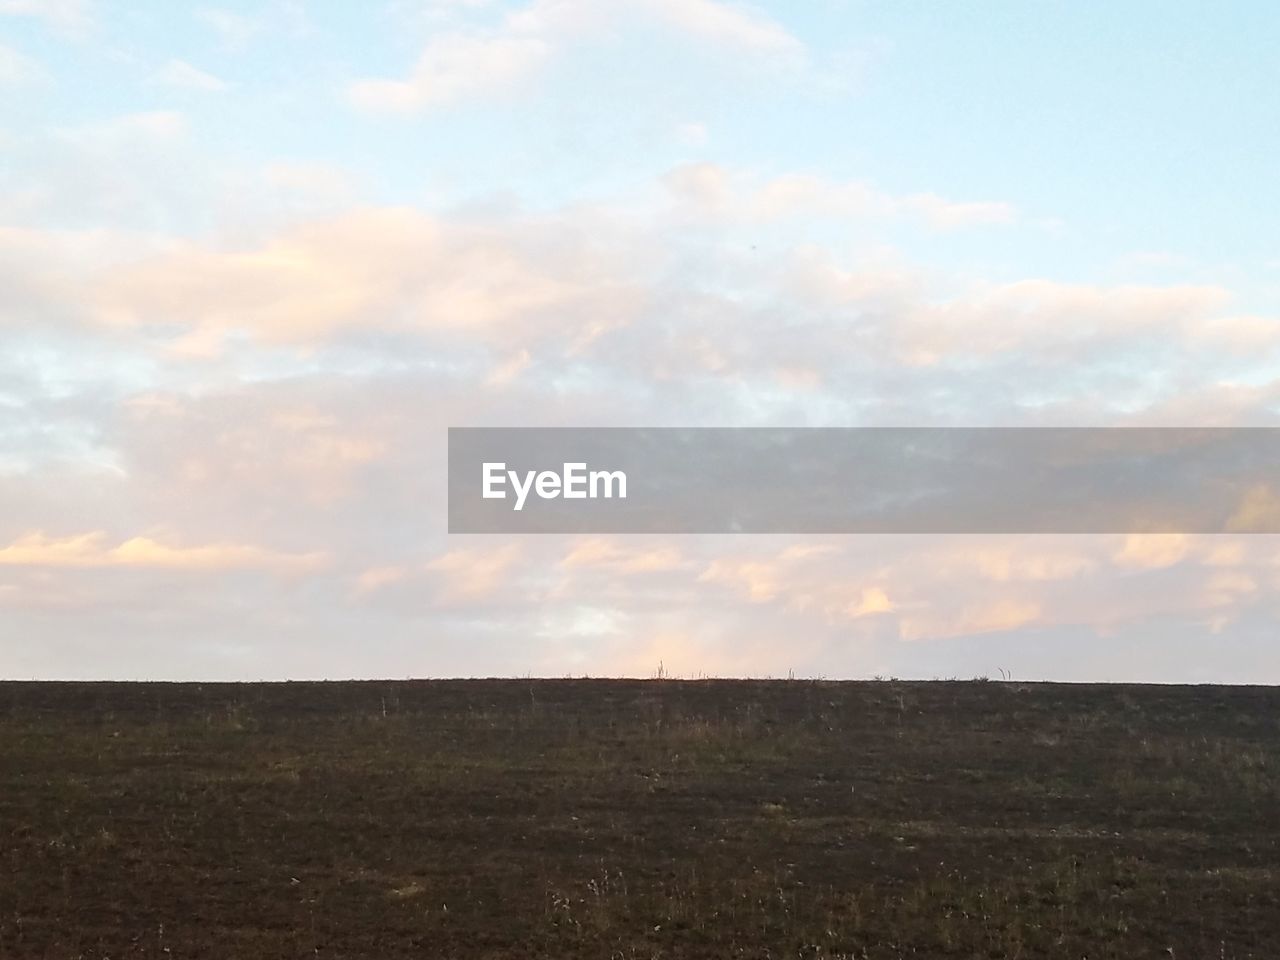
(256, 258)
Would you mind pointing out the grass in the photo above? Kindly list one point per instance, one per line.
(621, 819)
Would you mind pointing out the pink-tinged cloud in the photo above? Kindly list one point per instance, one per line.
(1259, 509)
(473, 574)
(94, 550)
(617, 558)
(387, 269)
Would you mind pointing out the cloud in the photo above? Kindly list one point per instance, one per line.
(631, 312)
(946, 214)
(91, 550)
(236, 30)
(324, 182)
(1242, 334)
(375, 578)
(1044, 314)
(711, 191)
(930, 589)
(183, 76)
(387, 269)
(17, 69)
(998, 616)
(453, 68)
(127, 129)
(1152, 551)
(1020, 560)
(762, 580)
(600, 553)
(1259, 511)
(692, 133)
(872, 600)
(465, 64)
(260, 447)
(296, 381)
(137, 172)
(1032, 317)
(728, 25)
(68, 16)
(680, 325)
(475, 574)
(510, 369)
(249, 360)
(1228, 587)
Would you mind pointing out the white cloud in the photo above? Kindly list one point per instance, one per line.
(608, 297)
(184, 76)
(128, 172)
(69, 16)
(271, 389)
(709, 190)
(728, 25)
(948, 214)
(693, 134)
(463, 64)
(17, 69)
(455, 67)
(128, 128)
(235, 30)
(1243, 334)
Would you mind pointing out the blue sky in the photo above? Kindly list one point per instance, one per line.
(1142, 127)
(255, 258)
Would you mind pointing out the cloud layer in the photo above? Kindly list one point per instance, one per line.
(243, 295)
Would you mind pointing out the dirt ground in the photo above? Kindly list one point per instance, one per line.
(632, 819)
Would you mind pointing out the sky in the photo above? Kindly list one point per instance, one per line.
(255, 259)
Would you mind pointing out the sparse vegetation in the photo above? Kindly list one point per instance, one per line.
(612, 819)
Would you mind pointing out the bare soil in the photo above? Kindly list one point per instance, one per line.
(633, 819)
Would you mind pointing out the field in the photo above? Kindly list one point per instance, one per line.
(634, 819)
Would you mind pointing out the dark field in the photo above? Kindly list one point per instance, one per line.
(613, 819)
